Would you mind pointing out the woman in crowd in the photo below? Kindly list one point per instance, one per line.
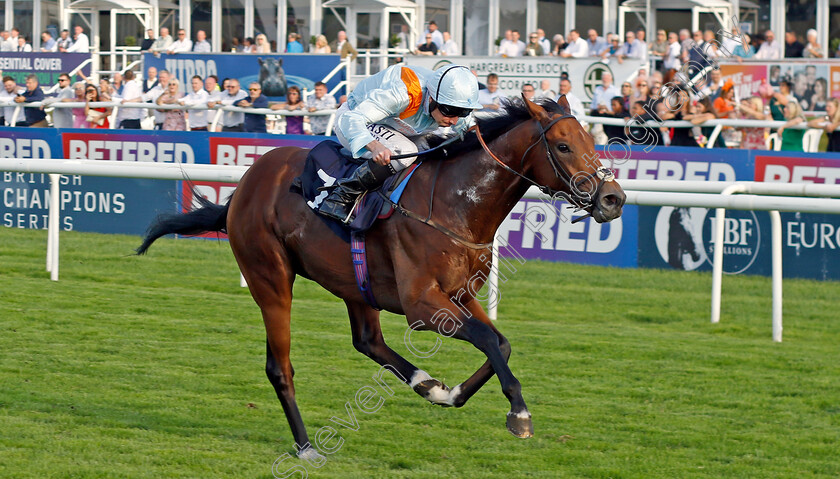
(703, 112)
(294, 102)
(627, 95)
(174, 120)
(79, 116)
(105, 90)
(321, 45)
(262, 45)
(752, 138)
(724, 106)
(830, 122)
(96, 117)
(792, 138)
(248, 46)
(642, 92)
(743, 49)
(680, 136)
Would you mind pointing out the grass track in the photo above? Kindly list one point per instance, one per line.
(145, 368)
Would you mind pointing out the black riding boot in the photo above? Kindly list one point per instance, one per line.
(339, 204)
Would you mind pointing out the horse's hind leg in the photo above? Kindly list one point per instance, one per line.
(368, 340)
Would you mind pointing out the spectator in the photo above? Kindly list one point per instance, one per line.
(595, 44)
(211, 86)
(182, 44)
(403, 38)
(95, 117)
(14, 33)
(118, 83)
(174, 120)
(614, 47)
(321, 45)
(616, 110)
(231, 120)
(148, 41)
(163, 42)
(249, 47)
(262, 45)
(48, 44)
(153, 94)
(575, 105)
(731, 42)
(545, 90)
(627, 95)
(7, 96)
(577, 47)
(603, 93)
(81, 42)
(642, 92)
(22, 45)
(79, 117)
(792, 138)
(820, 96)
(770, 48)
(636, 131)
(659, 48)
(752, 109)
(829, 123)
(235, 45)
(490, 97)
(686, 43)
(151, 80)
(533, 49)
(507, 47)
(544, 43)
(344, 47)
(528, 91)
(520, 45)
(437, 37)
(62, 117)
(713, 86)
(254, 123)
(294, 124)
(64, 41)
(812, 49)
(35, 117)
(320, 101)
(558, 44)
(703, 112)
(725, 108)
(6, 43)
(710, 45)
(744, 49)
(631, 48)
(132, 92)
(105, 92)
(696, 56)
(793, 48)
(427, 48)
(197, 97)
(293, 45)
(450, 48)
(201, 44)
(780, 99)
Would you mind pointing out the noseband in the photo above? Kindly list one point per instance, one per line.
(578, 198)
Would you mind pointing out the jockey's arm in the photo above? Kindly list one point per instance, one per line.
(379, 105)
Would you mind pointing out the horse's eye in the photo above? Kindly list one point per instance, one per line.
(563, 148)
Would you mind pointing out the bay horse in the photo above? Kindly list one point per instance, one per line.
(415, 266)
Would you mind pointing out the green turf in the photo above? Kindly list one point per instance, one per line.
(153, 367)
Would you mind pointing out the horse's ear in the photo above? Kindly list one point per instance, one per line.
(537, 112)
(564, 103)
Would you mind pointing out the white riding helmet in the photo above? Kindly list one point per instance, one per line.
(455, 85)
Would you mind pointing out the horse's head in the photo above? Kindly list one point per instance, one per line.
(563, 160)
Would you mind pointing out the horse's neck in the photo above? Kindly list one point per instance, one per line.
(481, 192)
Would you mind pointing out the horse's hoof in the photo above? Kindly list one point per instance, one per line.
(309, 454)
(435, 392)
(520, 425)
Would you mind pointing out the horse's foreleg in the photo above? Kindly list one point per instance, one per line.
(368, 340)
(432, 312)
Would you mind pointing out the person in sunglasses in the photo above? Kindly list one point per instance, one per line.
(383, 109)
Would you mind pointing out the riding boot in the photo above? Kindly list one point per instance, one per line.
(339, 204)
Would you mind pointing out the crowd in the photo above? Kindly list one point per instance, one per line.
(13, 41)
(161, 88)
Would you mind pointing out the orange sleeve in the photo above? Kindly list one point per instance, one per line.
(415, 92)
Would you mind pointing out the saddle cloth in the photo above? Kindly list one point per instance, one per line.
(327, 163)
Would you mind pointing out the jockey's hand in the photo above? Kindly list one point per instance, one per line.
(381, 154)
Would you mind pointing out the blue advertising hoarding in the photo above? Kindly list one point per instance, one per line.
(274, 72)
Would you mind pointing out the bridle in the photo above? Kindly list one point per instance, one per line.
(578, 198)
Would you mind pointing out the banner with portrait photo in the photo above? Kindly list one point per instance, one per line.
(812, 82)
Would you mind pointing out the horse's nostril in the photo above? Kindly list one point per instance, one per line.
(610, 201)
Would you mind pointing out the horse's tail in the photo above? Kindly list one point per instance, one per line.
(208, 217)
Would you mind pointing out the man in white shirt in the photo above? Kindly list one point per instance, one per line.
(132, 92)
(545, 90)
(5, 42)
(201, 44)
(437, 37)
(490, 97)
(197, 97)
(231, 120)
(13, 38)
(604, 93)
(544, 43)
(507, 47)
(520, 45)
(671, 60)
(632, 48)
(81, 42)
(577, 47)
(596, 44)
(163, 42)
(152, 95)
(182, 44)
(7, 97)
(729, 43)
(574, 102)
(770, 49)
(22, 45)
(450, 48)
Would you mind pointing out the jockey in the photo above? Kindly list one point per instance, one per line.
(382, 110)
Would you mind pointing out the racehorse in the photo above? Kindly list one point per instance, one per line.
(416, 267)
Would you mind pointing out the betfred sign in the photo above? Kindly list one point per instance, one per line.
(779, 169)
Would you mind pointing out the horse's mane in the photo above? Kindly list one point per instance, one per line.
(511, 113)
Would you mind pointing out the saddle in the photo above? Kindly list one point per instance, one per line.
(328, 162)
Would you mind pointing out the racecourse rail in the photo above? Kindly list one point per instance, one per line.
(755, 196)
